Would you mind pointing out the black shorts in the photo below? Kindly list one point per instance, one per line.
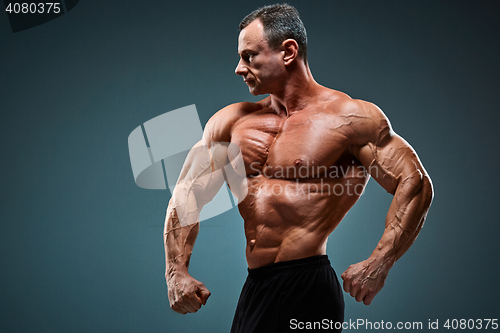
(290, 295)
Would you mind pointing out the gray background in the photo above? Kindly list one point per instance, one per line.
(81, 245)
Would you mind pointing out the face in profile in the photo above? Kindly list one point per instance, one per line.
(261, 67)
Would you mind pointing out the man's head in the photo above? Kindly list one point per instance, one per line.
(280, 22)
(271, 39)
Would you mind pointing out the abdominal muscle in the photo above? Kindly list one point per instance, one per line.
(288, 219)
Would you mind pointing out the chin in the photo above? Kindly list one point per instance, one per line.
(255, 91)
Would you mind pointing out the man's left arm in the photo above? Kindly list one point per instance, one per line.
(393, 163)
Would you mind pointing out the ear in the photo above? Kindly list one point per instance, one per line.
(291, 51)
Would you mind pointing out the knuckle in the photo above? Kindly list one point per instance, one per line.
(179, 303)
(191, 296)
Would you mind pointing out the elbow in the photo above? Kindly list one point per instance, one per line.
(418, 185)
(423, 188)
(426, 187)
(427, 190)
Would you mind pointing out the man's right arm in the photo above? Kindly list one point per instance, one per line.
(200, 180)
(185, 294)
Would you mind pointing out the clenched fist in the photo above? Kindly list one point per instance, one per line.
(186, 295)
(364, 280)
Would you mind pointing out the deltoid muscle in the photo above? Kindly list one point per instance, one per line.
(204, 172)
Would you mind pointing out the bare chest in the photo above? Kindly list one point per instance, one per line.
(304, 145)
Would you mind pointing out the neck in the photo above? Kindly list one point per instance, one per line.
(299, 87)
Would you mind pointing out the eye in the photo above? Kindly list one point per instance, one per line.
(249, 56)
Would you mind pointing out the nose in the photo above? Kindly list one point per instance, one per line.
(240, 69)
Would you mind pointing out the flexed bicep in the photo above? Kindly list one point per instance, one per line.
(395, 165)
(205, 170)
(391, 161)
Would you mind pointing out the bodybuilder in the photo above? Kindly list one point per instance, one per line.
(308, 151)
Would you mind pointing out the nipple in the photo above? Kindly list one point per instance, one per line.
(297, 161)
(252, 243)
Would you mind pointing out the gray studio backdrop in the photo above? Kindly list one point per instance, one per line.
(81, 244)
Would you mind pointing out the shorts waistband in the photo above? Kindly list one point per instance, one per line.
(288, 266)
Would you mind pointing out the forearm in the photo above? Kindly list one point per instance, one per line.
(185, 294)
(405, 218)
(197, 185)
(179, 241)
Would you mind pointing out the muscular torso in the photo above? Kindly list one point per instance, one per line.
(302, 178)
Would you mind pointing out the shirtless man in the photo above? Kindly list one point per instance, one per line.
(294, 145)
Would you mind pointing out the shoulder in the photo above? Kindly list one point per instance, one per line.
(367, 121)
(220, 125)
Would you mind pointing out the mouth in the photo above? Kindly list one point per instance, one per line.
(248, 80)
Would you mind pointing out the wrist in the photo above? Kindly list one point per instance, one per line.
(174, 271)
(385, 258)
